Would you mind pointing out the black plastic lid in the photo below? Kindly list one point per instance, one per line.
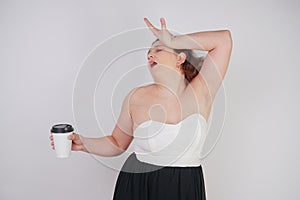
(62, 128)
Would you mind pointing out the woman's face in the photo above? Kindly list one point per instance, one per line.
(160, 55)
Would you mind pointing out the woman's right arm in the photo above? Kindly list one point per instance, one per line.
(116, 143)
(105, 146)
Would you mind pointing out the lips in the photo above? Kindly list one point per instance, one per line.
(152, 63)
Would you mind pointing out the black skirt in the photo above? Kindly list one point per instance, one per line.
(143, 181)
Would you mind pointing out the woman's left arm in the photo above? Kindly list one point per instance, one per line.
(205, 41)
(219, 46)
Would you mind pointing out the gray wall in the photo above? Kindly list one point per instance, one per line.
(46, 46)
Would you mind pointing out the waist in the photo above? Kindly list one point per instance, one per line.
(170, 160)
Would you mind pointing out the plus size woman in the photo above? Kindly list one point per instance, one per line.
(167, 121)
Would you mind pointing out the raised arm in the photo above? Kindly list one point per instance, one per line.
(217, 43)
(219, 47)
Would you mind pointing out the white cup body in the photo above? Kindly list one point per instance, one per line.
(62, 144)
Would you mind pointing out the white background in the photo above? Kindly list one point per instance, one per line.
(43, 44)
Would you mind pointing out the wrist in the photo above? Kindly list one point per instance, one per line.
(178, 42)
(83, 144)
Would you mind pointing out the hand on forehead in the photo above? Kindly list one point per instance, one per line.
(159, 44)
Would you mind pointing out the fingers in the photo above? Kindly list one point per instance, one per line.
(149, 23)
(74, 136)
(52, 145)
(76, 147)
(152, 28)
(163, 23)
(51, 141)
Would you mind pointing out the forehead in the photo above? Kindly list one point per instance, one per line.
(157, 44)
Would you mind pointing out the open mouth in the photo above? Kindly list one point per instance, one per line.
(152, 64)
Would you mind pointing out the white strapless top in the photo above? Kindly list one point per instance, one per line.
(171, 144)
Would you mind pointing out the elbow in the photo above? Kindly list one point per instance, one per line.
(228, 38)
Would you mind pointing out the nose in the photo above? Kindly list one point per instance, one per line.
(150, 56)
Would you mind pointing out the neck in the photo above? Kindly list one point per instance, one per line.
(170, 84)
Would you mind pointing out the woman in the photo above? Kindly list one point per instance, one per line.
(179, 96)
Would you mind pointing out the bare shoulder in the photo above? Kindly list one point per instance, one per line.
(140, 92)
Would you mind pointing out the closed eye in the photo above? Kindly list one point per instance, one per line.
(156, 50)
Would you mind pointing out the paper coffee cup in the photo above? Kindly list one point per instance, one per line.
(62, 144)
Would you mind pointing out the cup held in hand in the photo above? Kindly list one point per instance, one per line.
(63, 145)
